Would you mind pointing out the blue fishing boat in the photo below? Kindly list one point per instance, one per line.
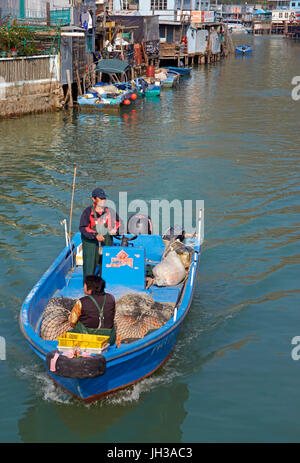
(171, 80)
(108, 96)
(124, 270)
(95, 100)
(181, 70)
(243, 50)
(146, 89)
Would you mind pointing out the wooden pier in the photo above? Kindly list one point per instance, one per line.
(261, 28)
(293, 31)
(186, 52)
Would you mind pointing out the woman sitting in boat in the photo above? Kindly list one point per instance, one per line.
(95, 312)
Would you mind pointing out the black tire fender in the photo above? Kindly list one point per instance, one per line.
(77, 367)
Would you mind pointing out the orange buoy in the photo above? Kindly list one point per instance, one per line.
(133, 96)
(127, 102)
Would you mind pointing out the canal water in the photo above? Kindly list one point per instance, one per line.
(229, 136)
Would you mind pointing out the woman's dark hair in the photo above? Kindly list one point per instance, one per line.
(94, 283)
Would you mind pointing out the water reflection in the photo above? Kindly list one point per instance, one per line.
(229, 136)
(110, 420)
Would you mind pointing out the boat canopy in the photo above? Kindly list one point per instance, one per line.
(112, 66)
(261, 11)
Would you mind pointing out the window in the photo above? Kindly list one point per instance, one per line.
(293, 4)
(286, 15)
(280, 15)
(159, 5)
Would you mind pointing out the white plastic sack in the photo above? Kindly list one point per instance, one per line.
(170, 271)
(103, 89)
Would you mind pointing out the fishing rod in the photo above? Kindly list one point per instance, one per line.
(72, 200)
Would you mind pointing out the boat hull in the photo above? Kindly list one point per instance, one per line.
(95, 103)
(150, 93)
(181, 71)
(120, 373)
(243, 51)
(173, 78)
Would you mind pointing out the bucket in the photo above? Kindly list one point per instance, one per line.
(150, 71)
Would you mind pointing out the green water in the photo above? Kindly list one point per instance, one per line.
(229, 136)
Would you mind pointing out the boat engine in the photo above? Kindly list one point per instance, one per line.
(174, 233)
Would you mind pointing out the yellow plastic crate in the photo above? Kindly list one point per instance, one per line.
(85, 341)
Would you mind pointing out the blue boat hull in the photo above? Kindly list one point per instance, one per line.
(126, 363)
(104, 103)
(172, 79)
(243, 50)
(181, 71)
(120, 373)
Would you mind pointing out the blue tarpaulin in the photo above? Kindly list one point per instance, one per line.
(261, 11)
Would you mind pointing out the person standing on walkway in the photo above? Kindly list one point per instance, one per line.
(97, 225)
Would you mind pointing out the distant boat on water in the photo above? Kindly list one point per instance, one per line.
(243, 50)
(236, 27)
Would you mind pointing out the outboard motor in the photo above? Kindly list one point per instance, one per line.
(174, 233)
(139, 224)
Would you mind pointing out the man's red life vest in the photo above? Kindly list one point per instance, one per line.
(105, 218)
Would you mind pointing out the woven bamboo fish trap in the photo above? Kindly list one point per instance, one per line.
(55, 319)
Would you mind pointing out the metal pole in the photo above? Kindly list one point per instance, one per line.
(71, 211)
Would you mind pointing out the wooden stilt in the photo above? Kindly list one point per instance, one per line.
(69, 88)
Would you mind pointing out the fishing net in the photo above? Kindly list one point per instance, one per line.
(55, 318)
(137, 314)
(184, 252)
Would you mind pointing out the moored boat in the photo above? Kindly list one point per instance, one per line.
(243, 50)
(105, 96)
(181, 70)
(146, 89)
(235, 27)
(172, 79)
(124, 270)
(91, 102)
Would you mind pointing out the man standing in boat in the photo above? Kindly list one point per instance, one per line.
(97, 225)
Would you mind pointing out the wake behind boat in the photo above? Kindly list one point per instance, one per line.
(88, 374)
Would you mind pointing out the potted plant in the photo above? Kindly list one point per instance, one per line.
(17, 40)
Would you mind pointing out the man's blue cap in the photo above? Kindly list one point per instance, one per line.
(99, 193)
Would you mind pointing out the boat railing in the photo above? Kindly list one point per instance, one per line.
(200, 233)
(64, 223)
